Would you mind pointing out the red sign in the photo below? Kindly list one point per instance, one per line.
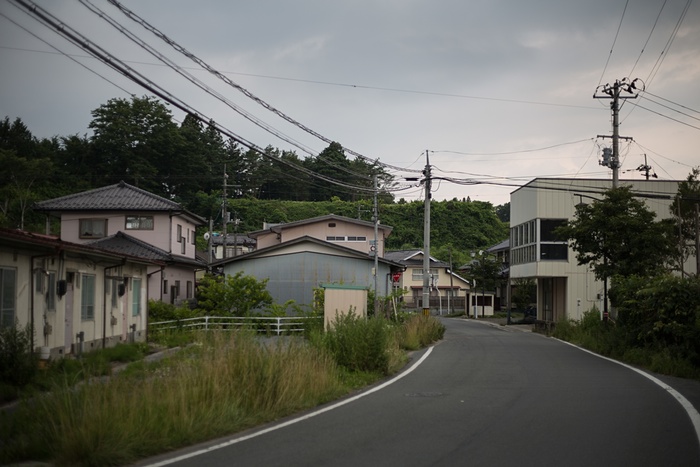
(396, 276)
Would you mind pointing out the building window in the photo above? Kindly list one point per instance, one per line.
(332, 238)
(93, 228)
(51, 291)
(136, 297)
(8, 285)
(177, 289)
(417, 274)
(139, 222)
(115, 292)
(353, 238)
(165, 287)
(87, 302)
(552, 247)
(189, 289)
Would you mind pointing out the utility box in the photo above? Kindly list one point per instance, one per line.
(340, 299)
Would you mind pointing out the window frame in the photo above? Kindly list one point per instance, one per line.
(84, 232)
(139, 220)
(88, 293)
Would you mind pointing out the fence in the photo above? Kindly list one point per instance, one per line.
(277, 325)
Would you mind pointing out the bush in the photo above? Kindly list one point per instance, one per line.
(358, 344)
(18, 363)
(419, 331)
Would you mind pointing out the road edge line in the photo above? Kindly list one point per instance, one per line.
(295, 420)
(692, 412)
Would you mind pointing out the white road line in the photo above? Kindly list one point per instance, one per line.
(685, 403)
(295, 420)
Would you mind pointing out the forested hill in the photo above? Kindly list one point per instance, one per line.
(138, 141)
(462, 226)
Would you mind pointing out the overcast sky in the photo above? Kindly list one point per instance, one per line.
(497, 91)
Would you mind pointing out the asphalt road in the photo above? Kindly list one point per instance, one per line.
(484, 396)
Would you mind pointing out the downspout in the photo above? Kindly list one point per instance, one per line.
(31, 292)
(104, 300)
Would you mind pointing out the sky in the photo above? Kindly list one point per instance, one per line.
(490, 93)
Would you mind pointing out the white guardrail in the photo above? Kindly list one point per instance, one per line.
(262, 324)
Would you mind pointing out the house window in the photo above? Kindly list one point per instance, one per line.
(115, 293)
(189, 289)
(136, 297)
(8, 282)
(417, 274)
(139, 222)
(51, 291)
(93, 228)
(352, 238)
(165, 287)
(331, 238)
(177, 288)
(87, 302)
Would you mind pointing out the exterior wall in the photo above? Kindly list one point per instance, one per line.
(172, 284)
(565, 289)
(57, 327)
(294, 273)
(163, 235)
(323, 230)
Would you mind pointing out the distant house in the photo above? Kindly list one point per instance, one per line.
(449, 292)
(343, 231)
(76, 297)
(126, 219)
(296, 267)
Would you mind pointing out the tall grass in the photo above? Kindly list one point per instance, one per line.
(224, 383)
(613, 340)
(227, 383)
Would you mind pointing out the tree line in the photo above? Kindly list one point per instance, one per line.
(138, 141)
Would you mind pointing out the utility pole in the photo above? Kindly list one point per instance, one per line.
(426, 240)
(697, 239)
(646, 168)
(224, 212)
(376, 249)
(449, 301)
(614, 92)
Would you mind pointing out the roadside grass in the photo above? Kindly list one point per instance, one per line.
(222, 383)
(610, 340)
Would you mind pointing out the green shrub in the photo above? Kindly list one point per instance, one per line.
(18, 363)
(357, 343)
(418, 331)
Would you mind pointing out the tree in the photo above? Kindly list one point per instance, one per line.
(232, 295)
(138, 142)
(619, 236)
(485, 271)
(683, 213)
(19, 179)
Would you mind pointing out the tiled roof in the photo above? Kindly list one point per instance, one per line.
(124, 244)
(120, 196)
(329, 217)
(52, 244)
(408, 258)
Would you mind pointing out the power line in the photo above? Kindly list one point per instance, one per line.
(47, 19)
(617, 33)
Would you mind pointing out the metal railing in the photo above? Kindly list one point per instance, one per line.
(277, 325)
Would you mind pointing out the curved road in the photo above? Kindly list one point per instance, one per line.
(484, 396)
